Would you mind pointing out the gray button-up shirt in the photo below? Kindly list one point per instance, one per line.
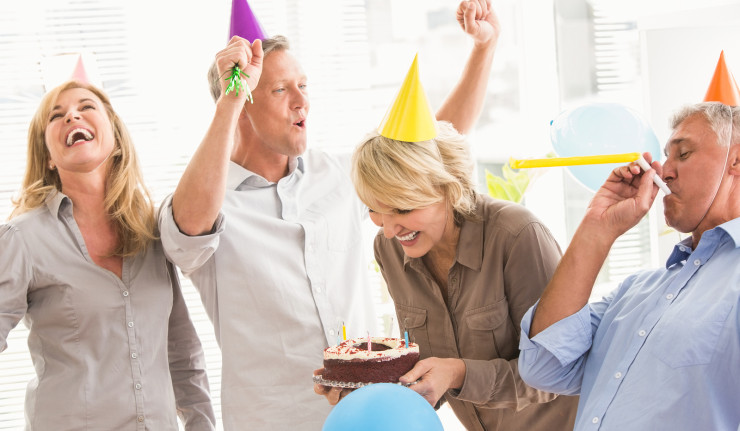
(504, 261)
(110, 353)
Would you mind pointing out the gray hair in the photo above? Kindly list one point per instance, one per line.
(276, 43)
(719, 116)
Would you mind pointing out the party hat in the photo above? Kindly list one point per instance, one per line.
(723, 87)
(244, 23)
(79, 73)
(410, 117)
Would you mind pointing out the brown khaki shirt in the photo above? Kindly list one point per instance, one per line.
(503, 263)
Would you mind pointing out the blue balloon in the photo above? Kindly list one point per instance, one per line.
(601, 128)
(383, 407)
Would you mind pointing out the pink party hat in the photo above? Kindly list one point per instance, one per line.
(79, 73)
(244, 23)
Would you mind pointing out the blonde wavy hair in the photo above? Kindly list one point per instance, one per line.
(127, 200)
(412, 175)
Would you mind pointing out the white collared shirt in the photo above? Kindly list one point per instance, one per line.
(283, 268)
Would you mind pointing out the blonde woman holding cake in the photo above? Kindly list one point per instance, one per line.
(462, 269)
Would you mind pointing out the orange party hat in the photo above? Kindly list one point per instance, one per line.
(723, 87)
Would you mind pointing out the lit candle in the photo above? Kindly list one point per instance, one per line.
(369, 344)
(344, 332)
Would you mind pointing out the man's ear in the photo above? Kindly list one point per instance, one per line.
(733, 160)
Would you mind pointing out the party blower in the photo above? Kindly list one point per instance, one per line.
(589, 160)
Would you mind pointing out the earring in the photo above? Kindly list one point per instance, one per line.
(52, 166)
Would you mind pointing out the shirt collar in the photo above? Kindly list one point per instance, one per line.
(732, 228)
(56, 201)
(238, 175)
(683, 250)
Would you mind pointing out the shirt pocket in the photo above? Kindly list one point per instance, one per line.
(487, 335)
(687, 341)
(414, 320)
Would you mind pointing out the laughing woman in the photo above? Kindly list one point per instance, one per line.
(110, 336)
(462, 269)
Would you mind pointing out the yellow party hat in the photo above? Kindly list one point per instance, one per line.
(723, 87)
(410, 117)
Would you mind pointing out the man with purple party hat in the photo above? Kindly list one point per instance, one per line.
(661, 351)
(269, 231)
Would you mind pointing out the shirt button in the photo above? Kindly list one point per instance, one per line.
(618, 375)
(697, 262)
(137, 386)
(130, 324)
(669, 296)
(682, 248)
(125, 293)
(134, 355)
(642, 333)
(140, 419)
(331, 332)
(454, 279)
(595, 420)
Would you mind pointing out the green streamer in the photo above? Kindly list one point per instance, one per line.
(236, 83)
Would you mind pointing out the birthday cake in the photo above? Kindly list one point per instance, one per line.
(385, 361)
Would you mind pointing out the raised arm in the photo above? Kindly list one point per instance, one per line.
(463, 105)
(618, 205)
(200, 192)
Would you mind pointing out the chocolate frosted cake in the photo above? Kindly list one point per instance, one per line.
(351, 362)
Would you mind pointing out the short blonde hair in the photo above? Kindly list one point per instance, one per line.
(412, 175)
(127, 200)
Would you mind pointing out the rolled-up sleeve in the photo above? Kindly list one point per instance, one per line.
(188, 366)
(187, 252)
(554, 359)
(15, 276)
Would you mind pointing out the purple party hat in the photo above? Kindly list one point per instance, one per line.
(244, 23)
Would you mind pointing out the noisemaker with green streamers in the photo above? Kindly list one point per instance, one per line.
(236, 83)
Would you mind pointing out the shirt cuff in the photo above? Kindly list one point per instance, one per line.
(477, 386)
(187, 252)
(567, 340)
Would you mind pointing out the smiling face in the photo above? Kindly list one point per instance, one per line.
(418, 230)
(278, 115)
(694, 167)
(79, 134)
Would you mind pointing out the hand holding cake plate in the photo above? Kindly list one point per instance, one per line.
(358, 362)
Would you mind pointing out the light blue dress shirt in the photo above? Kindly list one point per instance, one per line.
(661, 352)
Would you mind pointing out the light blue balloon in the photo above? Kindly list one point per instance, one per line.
(601, 128)
(383, 407)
